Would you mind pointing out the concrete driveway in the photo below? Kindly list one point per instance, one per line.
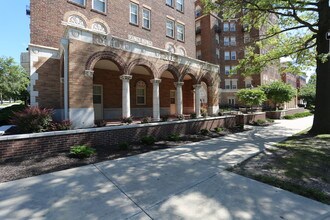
(187, 182)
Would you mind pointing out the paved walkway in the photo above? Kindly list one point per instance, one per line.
(187, 182)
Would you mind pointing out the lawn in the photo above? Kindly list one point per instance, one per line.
(300, 164)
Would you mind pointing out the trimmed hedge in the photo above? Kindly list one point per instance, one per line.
(298, 115)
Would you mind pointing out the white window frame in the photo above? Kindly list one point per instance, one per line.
(226, 26)
(180, 34)
(227, 55)
(227, 70)
(231, 101)
(233, 41)
(168, 21)
(232, 26)
(180, 5)
(130, 13)
(148, 19)
(75, 2)
(226, 41)
(144, 87)
(233, 55)
(172, 1)
(105, 5)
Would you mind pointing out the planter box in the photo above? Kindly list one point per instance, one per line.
(281, 113)
(244, 119)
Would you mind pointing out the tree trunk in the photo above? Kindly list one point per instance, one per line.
(321, 124)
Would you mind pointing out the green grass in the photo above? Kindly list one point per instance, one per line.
(298, 115)
(298, 165)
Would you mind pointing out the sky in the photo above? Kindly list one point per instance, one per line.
(15, 34)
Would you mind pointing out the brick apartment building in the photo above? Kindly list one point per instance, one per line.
(222, 42)
(108, 59)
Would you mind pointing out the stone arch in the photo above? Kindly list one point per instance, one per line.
(172, 69)
(75, 18)
(105, 55)
(98, 25)
(188, 71)
(141, 62)
(181, 51)
(207, 78)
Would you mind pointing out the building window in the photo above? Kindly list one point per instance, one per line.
(79, 2)
(230, 83)
(198, 11)
(246, 38)
(217, 52)
(170, 28)
(227, 70)
(134, 14)
(146, 18)
(226, 41)
(225, 26)
(232, 26)
(231, 101)
(233, 41)
(180, 32)
(99, 5)
(179, 5)
(199, 54)
(198, 40)
(140, 93)
(169, 3)
(227, 55)
(233, 55)
(217, 38)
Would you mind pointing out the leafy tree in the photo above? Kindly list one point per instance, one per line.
(279, 92)
(308, 92)
(292, 28)
(251, 97)
(13, 79)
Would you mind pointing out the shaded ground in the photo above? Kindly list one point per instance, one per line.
(41, 164)
(300, 164)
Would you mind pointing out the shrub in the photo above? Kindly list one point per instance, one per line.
(100, 123)
(218, 129)
(164, 118)
(193, 115)
(60, 126)
(298, 115)
(261, 122)
(251, 97)
(146, 120)
(127, 120)
(173, 137)
(204, 132)
(123, 146)
(148, 140)
(7, 113)
(33, 119)
(82, 151)
(279, 92)
(180, 117)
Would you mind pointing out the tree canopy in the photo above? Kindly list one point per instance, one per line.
(251, 97)
(13, 79)
(292, 28)
(279, 92)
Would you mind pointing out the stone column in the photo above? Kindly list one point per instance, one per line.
(179, 102)
(198, 100)
(126, 105)
(155, 99)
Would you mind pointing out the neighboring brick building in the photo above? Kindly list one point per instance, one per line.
(223, 42)
(107, 59)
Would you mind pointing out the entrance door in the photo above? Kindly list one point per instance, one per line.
(173, 102)
(98, 101)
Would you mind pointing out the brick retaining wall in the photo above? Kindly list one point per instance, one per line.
(17, 146)
(246, 118)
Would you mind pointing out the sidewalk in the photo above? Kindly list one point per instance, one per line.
(187, 182)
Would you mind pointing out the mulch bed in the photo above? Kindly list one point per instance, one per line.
(41, 164)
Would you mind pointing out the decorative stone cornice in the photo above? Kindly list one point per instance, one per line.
(89, 73)
(125, 77)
